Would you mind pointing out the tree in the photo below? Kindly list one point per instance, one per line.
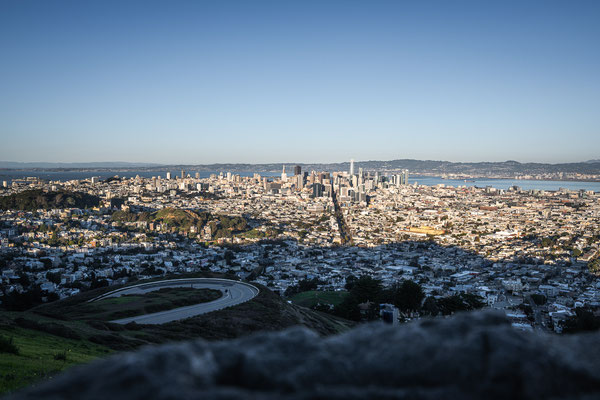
(308, 284)
(460, 302)
(538, 299)
(430, 307)
(364, 289)
(53, 277)
(546, 242)
(24, 279)
(348, 309)
(584, 320)
(594, 266)
(409, 296)
(350, 281)
(228, 256)
(15, 301)
(291, 290)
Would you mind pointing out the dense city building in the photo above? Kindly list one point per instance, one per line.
(504, 246)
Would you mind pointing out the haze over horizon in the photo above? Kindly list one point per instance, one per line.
(260, 82)
(127, 164)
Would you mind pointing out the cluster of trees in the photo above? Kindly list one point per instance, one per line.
(229, 225)
(584, 320)
(15, 301)
(31, 200)
(304, 285)
(407, 296)
(183, 220)
(594, 266)
(365, 290)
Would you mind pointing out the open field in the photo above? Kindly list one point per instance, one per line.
(313, 297)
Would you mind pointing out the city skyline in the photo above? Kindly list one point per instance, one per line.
(190, 83)
(231, 198)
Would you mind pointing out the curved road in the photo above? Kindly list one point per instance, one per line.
(234, 292)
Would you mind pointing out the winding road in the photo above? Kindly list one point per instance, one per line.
(234, 292)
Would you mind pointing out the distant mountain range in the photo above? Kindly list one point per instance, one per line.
(49, 165)
(505, 168)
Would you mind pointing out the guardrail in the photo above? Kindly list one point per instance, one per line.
(182, 280)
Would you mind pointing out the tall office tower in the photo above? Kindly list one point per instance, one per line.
(352, 167)
(299, 182)
(283, 175)
(182, 174)
(4, 184)
(319, 178)
(229, 177)
(168, 176)
(297, 170)
(265, 183)
(197, 175)
(405, 173)
(360, 172)
(317, 190)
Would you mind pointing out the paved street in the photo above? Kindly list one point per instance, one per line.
(234, 293)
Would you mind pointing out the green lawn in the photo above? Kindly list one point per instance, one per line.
(313, 297)
(132, 305)
(36, 357)
(119, 300)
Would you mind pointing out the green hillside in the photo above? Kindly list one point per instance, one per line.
(176, 219)
(30, 200)
(81, 331)
(39, 354)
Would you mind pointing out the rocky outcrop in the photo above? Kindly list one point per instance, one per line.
(471, 356)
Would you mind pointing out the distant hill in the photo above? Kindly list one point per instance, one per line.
(182, 220)
(430, 167)
(49, 165)
(437, 167)
(30, 200)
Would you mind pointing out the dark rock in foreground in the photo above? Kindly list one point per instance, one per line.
(476, 355)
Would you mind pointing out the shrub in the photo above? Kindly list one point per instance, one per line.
(7, 346)
(61, 356)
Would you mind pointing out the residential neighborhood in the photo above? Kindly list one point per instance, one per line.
(530, 253)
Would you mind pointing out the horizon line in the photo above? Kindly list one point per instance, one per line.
(154, 164)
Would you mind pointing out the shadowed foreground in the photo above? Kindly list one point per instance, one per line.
(473, 355)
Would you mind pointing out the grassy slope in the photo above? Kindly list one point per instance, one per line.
(46, 330)
(36, 358)
(266, 312)
(313, 297)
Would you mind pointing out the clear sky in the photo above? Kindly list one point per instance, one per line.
(304, 81)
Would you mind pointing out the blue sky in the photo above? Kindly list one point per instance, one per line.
(304, 81)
